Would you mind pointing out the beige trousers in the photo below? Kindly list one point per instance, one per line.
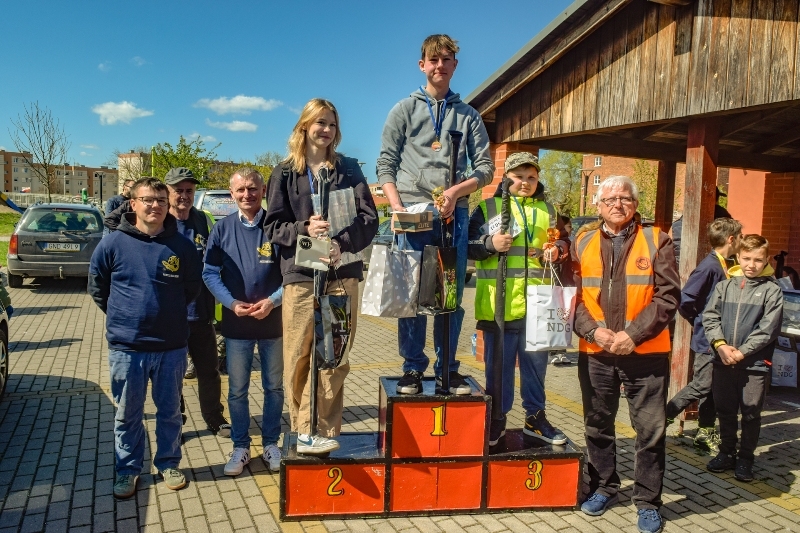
(298, 338)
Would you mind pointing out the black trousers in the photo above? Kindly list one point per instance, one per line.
(738, 390)
(203, 351)
(646, 380)
(699, 389)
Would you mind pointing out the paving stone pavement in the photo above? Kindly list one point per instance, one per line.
(56, 445)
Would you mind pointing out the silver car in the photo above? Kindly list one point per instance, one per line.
(216, 202)
(54, 240)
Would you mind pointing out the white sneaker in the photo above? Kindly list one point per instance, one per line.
(238, 458)
(272, 456)
(315, 444)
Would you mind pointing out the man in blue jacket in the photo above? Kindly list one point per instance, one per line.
(142, 277)
(724, 235)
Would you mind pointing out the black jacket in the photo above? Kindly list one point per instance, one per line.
(289, 208)
(695, 295)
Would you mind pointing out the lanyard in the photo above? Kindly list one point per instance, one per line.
(723, 264)
(530, 233)
(437, 125)
(310, 180)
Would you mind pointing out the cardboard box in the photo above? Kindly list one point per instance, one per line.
(412, 222)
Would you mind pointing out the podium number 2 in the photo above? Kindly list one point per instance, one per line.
(534, 470)
(438, 422)
(335, 474)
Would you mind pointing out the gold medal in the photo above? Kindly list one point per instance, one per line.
(436, 146)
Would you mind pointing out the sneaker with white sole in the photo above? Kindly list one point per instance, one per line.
(173, 478)
(272, 457)
(223, 430)
(239, 457)
(315, 444)
(458, 384)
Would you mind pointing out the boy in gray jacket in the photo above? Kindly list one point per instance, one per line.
(742, 321)
(414, 160)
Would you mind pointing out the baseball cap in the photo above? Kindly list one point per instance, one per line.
(521, 158)
(179, 174)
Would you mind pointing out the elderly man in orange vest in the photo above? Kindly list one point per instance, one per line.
(628, 292)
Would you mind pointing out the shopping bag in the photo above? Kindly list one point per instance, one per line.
(550, 315)
(784, 369)
(438, 287)
(332, 331)
(341, 214)
(392, 282)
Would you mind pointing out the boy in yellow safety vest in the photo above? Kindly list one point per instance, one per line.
(528, 249)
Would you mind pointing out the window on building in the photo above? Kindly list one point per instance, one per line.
(16, 179)
(25, 170)
(597, 179)
(15, 169)
(66, 182)
(598, 161)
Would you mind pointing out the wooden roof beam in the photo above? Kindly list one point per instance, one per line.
(672, 2)
(779, 139)
(746, 120)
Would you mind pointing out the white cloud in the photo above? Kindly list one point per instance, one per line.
(2, 147)
(90, 146)
(113, 112)
(238, 105)
(138, 61)
(204, 138)
(85, 154)
(105, 66)
(236, 125)
(295, 110)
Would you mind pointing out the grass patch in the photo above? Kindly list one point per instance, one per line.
(4, 253)
(7, 222)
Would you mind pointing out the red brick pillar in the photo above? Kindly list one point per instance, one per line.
(499, 153)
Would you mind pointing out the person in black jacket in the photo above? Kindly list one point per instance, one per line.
(142, 277)
(724, 235)
(290, 214)
(116, 200)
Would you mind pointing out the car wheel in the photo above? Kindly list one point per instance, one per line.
(3, 362)
(467, 277)
(14, 281)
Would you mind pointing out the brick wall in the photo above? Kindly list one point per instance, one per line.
(780, 215)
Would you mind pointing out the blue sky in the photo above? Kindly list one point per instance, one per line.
(125, 74)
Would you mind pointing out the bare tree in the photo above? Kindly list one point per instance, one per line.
(43, 142)
(131, 165)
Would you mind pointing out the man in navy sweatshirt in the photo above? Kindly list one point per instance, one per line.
(242, 271)
(142, 277)
(724, 235)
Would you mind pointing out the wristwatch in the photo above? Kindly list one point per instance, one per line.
(589, 337)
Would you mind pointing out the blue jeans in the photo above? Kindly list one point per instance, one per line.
(411, 331)
(130, 372)
(240, 361)
(532, 370)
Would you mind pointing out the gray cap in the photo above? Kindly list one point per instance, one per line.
(521, 158)
(179, 174)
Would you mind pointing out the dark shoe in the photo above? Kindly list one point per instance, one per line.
(721, 463)
(597, 504)
(222, 430)
(649, 521)
(744, 469)
(538, 427)
(125, 486)
(458, 384)
(410, 383)
(191, 373)
(497, 431)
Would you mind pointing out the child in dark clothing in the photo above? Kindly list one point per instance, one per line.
(742, 321)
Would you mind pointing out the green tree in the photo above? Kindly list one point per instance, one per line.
(561, 175)
(218, 176)
(645, 176)
(190, 154)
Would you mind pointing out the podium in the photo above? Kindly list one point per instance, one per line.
(430, 456)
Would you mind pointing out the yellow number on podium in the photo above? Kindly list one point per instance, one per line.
(335, 473)
(438, 422)
(535, 470)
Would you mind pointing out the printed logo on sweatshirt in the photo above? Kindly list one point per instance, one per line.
(200, 241)
(172, 264)
(265, 249)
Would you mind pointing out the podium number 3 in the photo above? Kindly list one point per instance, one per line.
(534, 470)
(335, 474)
(438, 422)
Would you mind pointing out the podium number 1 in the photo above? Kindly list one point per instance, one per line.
(438, 422)
(335, 474)
(534, 470)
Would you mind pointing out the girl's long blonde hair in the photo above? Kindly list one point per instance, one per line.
(297, 140)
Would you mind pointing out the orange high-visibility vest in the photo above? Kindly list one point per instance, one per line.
(639, 284)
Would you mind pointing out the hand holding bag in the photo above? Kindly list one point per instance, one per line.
(392, 283)
(550, 315)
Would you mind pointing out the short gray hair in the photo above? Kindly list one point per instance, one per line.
(244, 172)
(616, 182)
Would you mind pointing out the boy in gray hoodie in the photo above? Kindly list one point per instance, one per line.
(414, 160)
(742, 321)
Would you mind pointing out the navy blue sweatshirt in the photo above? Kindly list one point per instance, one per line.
(143, 284)
(195, 228)
(250, 271)
(695, 296)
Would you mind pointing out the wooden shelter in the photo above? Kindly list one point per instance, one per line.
(706, 82)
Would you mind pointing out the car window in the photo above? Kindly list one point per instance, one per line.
(219, 205)
(55, 220)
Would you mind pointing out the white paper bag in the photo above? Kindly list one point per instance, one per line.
(784, 369)
(392, 283)
(550, 314)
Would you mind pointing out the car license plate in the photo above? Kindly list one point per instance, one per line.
(62, 247)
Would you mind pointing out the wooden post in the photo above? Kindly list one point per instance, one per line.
(665, 195)
(698, 212)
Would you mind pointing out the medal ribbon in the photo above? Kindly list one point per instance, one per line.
(530, 233)
(437, 125)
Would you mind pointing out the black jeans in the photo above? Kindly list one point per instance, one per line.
(737, 389)
(699, 389)
(646, 380)
(203, 351)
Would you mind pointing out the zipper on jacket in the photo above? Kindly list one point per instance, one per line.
(738, 306)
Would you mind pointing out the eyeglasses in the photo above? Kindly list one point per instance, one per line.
(150, 200)
(611, 202)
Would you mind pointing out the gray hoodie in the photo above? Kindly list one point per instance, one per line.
(407, 159)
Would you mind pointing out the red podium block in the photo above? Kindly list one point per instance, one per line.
(439, 486)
